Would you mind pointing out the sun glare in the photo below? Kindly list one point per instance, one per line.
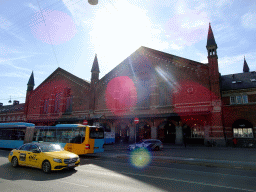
(118, 30)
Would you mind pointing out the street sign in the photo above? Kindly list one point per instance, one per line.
(136, 120)
(85, 122)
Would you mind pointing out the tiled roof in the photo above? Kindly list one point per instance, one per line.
(238, 81)
(154, 53)
(12, 108)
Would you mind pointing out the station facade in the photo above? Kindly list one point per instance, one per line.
(174, 99)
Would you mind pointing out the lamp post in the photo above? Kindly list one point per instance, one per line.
(136, 121)
(93, 2)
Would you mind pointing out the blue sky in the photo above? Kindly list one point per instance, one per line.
(41, 35)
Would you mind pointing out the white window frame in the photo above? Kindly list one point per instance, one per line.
(239, 99)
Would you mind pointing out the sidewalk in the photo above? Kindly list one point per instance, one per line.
(226, 157)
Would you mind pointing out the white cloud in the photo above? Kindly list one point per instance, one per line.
(4, 23)
(175, 46)
(79, 11)
(234, 64)
(15, 74)
(224, 3)
(249, 20)
(35, 8)
(188, 26)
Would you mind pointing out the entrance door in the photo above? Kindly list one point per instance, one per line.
(169, 133)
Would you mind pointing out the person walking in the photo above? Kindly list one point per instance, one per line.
(185, 139)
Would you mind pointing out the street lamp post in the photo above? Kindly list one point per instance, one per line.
(136, 121)
(93, 2)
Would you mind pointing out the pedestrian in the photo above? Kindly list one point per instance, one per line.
(185, 139)
(234, 142)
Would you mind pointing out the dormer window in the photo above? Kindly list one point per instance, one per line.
(234, 82)
(238, 99)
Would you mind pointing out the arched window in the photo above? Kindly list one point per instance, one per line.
(57, 103)
(67, 107)
(242, 129)
(165, 94)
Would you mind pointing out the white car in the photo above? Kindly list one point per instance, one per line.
(150, 144)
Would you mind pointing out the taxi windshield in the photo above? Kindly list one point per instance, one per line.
(51, 148)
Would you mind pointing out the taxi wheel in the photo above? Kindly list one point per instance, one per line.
(15, 162)
(46, 167)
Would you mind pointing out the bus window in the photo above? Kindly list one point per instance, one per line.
(79, 135)
(64, 135)
(51, 135)
(20, 134)
(12, 134)
(96, 133)
(40, 134)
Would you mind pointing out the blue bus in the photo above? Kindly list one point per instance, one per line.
(13, 135)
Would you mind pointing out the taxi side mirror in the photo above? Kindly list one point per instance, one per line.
(36, 151)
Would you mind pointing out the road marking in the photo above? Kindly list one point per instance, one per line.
(73, 184)
(192, 182)
(188, 170)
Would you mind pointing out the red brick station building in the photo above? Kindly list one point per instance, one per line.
(173, 98)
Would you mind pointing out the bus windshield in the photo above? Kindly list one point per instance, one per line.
(96, 133)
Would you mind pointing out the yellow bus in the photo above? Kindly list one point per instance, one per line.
(76, 138)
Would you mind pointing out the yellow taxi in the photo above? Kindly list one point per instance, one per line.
(46, 156)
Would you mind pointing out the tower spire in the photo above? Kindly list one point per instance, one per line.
(31, 82)
(211, 45)
(210, 38)
(95, 66)
(246, 67)
(95, 71)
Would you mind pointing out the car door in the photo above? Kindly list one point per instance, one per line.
(23, 154)
(33, 158)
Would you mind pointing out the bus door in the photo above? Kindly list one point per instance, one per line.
(97, 138)
(88, 143)
(76, 142)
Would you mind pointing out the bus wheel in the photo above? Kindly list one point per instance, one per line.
(15, 162)
(46, 166)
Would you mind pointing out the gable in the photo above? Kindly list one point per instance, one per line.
(134, 80)
(56, 88)
(155, 65)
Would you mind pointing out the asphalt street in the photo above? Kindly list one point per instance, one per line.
(120, 170)
(226, 157)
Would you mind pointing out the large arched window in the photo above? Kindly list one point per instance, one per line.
(242, 129)
(67, 107)
(165, 95)
(57, 102)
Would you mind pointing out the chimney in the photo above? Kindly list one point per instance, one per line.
(15, 102)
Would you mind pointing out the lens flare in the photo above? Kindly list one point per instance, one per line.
(121, 95)
(140, 158)
(53, 27)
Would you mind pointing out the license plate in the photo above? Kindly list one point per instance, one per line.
(71, 165)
